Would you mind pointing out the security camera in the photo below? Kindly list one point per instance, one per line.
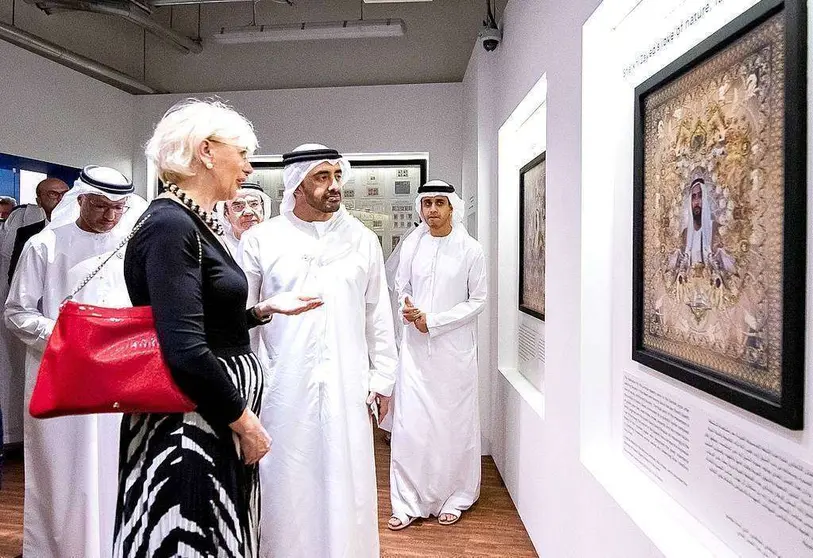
(490, 34)
(491, 37)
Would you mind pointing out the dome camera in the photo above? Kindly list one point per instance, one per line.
(490, 37)
(490, 33)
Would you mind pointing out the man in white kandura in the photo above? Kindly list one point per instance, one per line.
(325, 366)
(71, 463)
(23, 223)
(249, 207)
(441, 283)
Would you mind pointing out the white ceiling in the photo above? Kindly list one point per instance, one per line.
(436, 48)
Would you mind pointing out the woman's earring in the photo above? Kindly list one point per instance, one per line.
(209, 165)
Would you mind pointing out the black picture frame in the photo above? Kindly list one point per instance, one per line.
(787, 408)
(362, 163)
(524, 305)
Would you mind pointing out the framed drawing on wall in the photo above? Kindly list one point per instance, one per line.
(532, 237)
(719, 222)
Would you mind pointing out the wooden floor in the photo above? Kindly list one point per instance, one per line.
(491, 528)
(11, 506)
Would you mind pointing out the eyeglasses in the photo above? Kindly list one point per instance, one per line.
(240, 206)
(54, 195)
(242, 150)
(104, 208)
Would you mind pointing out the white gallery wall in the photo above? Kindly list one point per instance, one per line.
(56, 114)
(566, 511)
(374, 119)
(697, 513)
(475, 191)
(568, 507)
(536, 447)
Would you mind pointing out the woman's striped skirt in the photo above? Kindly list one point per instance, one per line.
(183, 490)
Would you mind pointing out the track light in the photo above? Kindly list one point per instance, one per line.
(360, 29)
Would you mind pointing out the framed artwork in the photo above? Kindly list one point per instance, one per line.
(403, 187)
(532, 238)
(719, 224)
(380, 203)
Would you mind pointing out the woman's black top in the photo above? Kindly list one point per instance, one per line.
(198, 293)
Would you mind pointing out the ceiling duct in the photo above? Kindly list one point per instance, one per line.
(133, 12)
(60, 55)
(159, 3)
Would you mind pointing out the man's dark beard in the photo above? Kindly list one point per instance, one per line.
(324, 205)
(331, 207)
(320, 204)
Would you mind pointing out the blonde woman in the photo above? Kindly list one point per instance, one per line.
(188, 483)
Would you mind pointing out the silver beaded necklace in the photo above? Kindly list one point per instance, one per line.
(208, 218)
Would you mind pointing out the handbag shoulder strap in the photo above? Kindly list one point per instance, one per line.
(121, 245)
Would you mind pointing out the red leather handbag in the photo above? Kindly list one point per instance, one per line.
(104, 360)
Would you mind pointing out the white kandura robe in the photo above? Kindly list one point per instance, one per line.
(12, 350)
(231, 243)
(71, 463)
(318, 482)
(435, 464)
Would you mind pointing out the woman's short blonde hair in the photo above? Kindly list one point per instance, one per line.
(185, 125)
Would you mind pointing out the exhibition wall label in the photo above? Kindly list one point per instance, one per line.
(758, 498)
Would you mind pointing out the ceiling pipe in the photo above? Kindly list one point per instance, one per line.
(159, 3)
(89, 67)
(130, 13)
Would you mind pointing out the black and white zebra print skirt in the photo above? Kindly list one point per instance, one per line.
(183, 491)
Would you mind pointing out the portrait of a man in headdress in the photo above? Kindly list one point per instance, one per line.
(712, 225)
(700, 235)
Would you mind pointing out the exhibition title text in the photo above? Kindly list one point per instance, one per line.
(691, 20)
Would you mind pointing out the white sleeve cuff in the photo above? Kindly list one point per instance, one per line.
(381, 385)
